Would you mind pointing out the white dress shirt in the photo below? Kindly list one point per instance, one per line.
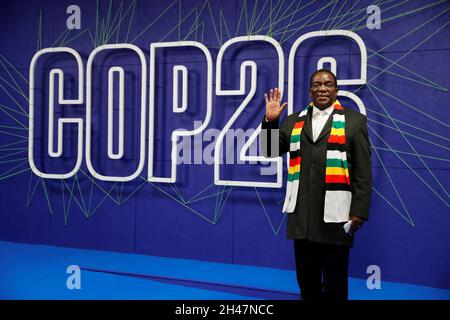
(319, 118)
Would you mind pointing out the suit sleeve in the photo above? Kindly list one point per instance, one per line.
(274, 140)
(361, 176)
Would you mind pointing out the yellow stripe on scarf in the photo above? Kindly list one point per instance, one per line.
(294, 169)
(337, 132)
(337, 171)
(296, 131)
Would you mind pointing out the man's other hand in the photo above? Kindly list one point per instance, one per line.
(357, 223)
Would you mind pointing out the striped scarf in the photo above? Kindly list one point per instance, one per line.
(337, 181)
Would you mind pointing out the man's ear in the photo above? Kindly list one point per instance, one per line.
(310, 93)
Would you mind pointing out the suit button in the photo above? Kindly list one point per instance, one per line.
(312, 164)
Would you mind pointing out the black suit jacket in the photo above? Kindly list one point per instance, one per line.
(306, 222)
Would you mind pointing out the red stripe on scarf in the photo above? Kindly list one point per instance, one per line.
(295, 161)
(299, 124)
(337, 179)
(337, 139)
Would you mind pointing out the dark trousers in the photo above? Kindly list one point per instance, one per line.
(322, 270)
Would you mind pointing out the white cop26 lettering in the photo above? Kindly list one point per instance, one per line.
(177, 108)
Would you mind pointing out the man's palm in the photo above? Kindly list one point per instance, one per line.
(273, 104)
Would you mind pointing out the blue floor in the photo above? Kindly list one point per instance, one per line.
(39, 272)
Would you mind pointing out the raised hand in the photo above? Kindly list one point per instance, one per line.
(273, 107)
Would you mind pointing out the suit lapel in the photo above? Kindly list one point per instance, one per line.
(308, 125)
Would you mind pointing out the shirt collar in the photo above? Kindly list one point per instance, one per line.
(327, 111)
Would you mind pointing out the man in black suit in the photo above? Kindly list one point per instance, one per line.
(321, 248)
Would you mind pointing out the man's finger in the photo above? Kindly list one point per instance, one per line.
(283, 106)
(271, 95)
(265, 98)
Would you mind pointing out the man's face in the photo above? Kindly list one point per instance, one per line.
(323, 91)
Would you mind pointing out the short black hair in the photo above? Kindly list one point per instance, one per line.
(320, 71)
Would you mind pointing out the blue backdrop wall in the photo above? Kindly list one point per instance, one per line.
(406, 99)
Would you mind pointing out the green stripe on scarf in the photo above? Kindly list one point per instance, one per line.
(337, 163)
